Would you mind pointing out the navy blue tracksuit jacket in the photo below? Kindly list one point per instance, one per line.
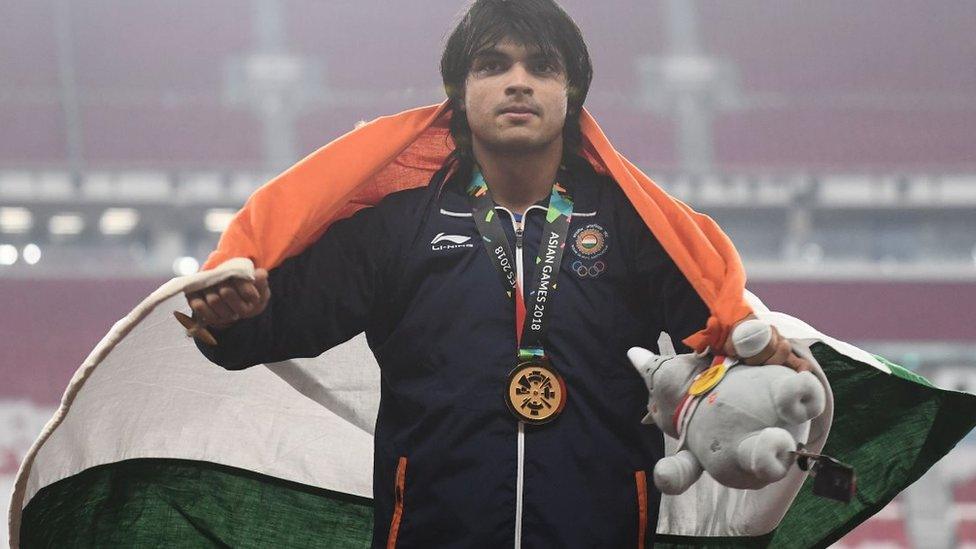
(453, 468)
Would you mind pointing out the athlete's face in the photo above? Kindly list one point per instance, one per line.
(515, 99)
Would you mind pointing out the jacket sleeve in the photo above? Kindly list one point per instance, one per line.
(681, 308)
(673, 302)
(319, 298)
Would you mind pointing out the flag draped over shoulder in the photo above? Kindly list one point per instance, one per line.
(403, 151)
(153, 445)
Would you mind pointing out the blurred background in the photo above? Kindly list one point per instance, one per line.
(835, 141)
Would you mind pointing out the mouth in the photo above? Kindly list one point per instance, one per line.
(519, 110)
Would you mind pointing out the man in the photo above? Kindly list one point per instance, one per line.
(509, 414)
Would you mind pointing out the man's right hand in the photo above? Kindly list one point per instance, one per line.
(223, 304)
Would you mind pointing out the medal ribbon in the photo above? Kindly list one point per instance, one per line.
(530, 323)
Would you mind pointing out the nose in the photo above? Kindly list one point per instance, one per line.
(520, 81)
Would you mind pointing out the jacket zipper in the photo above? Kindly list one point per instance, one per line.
(519, 228)
(520, 441)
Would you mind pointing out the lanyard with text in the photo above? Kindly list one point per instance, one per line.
(536, 393)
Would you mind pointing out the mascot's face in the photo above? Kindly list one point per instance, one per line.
(659, 406)
(515, 99)
(667, 379)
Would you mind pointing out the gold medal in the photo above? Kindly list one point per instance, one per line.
(704, 381)
(535, 393)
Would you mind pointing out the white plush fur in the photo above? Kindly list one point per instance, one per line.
(743, 433)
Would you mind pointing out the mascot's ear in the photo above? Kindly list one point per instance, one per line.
(665, 346)
(648, 419)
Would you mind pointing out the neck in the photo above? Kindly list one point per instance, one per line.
(518, 181)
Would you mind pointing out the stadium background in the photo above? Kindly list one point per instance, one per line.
(833, 140)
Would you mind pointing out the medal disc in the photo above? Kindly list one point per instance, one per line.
(535, 392)
(704, 381)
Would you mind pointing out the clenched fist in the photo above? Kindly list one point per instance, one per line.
(223, 304)
(758, 343)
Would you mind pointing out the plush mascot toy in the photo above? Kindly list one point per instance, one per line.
(742, 424)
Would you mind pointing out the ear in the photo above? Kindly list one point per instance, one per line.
(665, 345)
(456, 99)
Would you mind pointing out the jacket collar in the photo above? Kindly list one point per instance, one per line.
(576, 175)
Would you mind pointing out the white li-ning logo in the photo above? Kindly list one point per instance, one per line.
(450, 241)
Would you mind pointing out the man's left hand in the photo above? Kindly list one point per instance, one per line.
(778, 351)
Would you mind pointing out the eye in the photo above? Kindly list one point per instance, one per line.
(545, 66)
(488, 66)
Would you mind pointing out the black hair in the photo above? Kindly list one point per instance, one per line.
(540, 23)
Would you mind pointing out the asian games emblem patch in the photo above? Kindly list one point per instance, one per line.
(590, 242)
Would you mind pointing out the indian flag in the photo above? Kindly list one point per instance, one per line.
(154, 446)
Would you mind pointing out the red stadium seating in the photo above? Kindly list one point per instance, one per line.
(827, 84)
(885, 530)
(964, 495)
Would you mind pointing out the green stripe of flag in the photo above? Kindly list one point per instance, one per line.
(182, 503)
